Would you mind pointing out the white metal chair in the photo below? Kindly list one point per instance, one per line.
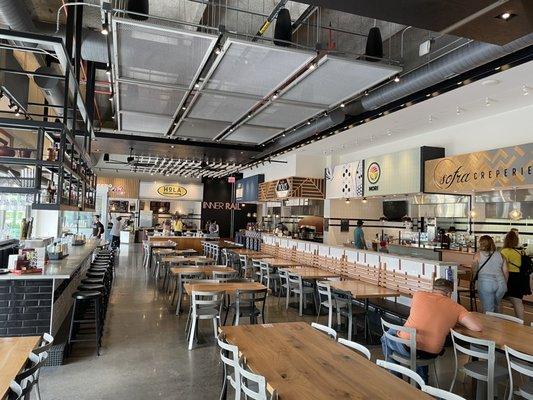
(42, 352)
(254, 386)
(400, 369)
(441, 394)
(205, 305)
(506, 317)
(325, 329)
(268, 276)
(284, 286)
(523, 364)
(325, 300)
(412, 361)
(223, 276)
(246, 267)
(355, 346)
(181, 280)
(297, 287)
(23, 383)
(485, 368)
(229, 355)
(146, 254)
(256, 268)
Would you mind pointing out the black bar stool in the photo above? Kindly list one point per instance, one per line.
(83, 299)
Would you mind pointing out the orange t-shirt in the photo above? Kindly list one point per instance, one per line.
(432, 315)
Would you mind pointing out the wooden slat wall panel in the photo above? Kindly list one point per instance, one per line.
(308, 188)
(130, 186)
(377, 275)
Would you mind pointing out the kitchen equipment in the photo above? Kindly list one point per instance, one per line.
(6, 151)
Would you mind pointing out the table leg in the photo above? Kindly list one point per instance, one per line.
(366, 327)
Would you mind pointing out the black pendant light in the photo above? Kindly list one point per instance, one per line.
(374, 45)
(138, 6)
(283, 29)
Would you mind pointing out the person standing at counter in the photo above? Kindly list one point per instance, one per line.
(491, 274)
(518, 283)
(177, 226)
(115, 233)
(359, 236)
(98, 227)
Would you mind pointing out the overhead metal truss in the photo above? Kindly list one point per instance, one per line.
(192, 168)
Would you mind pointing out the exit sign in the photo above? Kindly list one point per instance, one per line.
(231, 179)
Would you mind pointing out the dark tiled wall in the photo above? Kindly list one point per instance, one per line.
(25, 307)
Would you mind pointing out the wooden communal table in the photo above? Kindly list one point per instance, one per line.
(207, 270)
(279, 262)
(250, 253)
(159, 245)
(228, 287)
(502, 332)
(311, 273)
(302, 363)
(175, 259)
(366, 291)
(13, 355)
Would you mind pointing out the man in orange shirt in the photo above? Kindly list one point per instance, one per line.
(432, 314)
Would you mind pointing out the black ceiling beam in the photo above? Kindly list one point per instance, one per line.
(182, 142)
(303, 17)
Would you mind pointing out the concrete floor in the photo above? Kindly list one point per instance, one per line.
(144, 353)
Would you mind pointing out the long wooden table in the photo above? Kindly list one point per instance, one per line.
(502, 332)
(206, 270)
(302, 363)
(13, 355)
(366, 291)
(250, 253)
(228, 287)
(280, 262)
(311, 273)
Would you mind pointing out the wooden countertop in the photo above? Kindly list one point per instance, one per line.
(228, 287)
(302, 363)
(13, 355)
(364, 290)
(61, 269)
(311, 273)
(502, 332)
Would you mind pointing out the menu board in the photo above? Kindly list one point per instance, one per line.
(507, 167)
(344, 181)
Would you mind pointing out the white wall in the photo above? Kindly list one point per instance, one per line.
(45, 223)
(501, 130)
(300, 165)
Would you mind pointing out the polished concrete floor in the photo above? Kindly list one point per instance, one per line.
(144, 353)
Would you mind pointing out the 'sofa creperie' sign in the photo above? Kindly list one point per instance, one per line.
(485, 170)
(175, 191)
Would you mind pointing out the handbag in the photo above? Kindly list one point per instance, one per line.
(473, 281)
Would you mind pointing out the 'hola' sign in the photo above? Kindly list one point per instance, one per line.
(172, 191)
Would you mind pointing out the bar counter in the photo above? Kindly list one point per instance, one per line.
(184, 242)
(36, 303)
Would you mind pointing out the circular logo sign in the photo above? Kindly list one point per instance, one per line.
(373, 173)
(443, 175)
(172, 191)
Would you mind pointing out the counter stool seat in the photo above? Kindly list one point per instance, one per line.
(92, 281)
(86, 295)
(91, 287)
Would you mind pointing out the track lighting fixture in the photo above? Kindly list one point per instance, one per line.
(347, 201)
(312, 66)
(397, 78)
(108, 71)
(364, 200)
(17, 114)
(217, 50)
(105, 29)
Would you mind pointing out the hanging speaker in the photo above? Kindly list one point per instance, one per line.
(374, 45)
(106, 157)
(138, 6)
(283, 29)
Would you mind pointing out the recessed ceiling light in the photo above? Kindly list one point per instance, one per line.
(506, 16)
(525, 90)
(490, 82)
(389, 133)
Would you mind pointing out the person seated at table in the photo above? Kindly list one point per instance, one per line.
(432, 314)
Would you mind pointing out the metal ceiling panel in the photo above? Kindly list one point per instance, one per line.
(284, 115)
(200, 128)
(139, 122)
(149, 99)
(220, 107)
(256, 69)
(251, 134)
(160, 54)
(336, 79)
